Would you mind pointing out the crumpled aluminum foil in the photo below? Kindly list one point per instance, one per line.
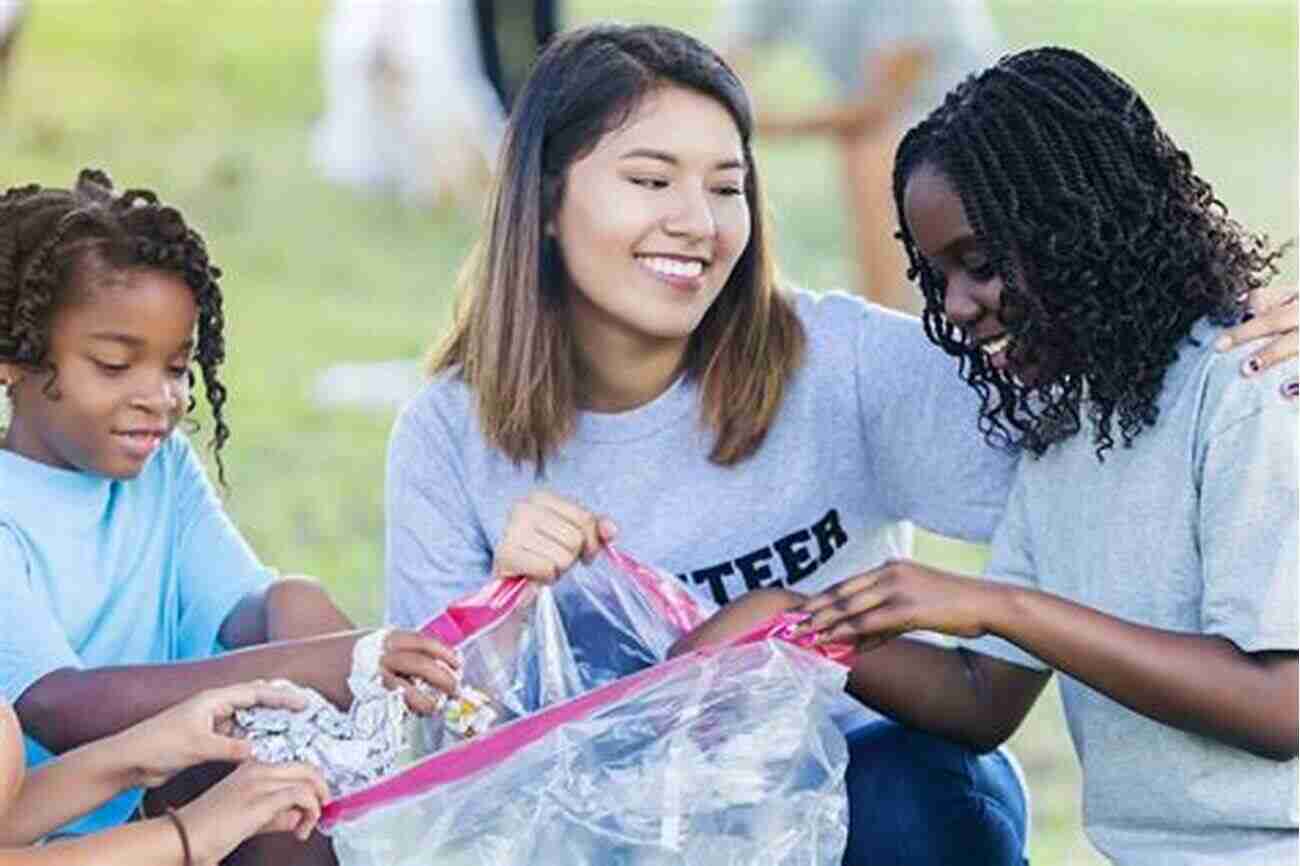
(373, 738)
(351, 749)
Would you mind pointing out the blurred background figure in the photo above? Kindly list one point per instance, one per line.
(510, 33)
(417, 93)
(890, 62)
(408, 107)
(12, 13)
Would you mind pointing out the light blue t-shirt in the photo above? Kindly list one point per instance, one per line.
(1193, 529)
(876, 431)
(97, 572)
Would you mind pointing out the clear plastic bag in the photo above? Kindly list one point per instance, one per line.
(604, 754)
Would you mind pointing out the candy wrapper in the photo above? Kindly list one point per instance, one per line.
(603, 753)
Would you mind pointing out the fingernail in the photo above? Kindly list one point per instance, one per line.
(1224, 343)
(1291, 390)
(1250, 367)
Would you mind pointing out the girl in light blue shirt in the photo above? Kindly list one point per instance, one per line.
(121, 576)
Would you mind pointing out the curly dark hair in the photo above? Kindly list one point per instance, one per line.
(1068, 181)
(48, 236)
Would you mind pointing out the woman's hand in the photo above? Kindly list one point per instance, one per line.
(255, 798)
(545, 535)
(900, 596)
(410, 656)
(196, 730)
(1275, 315)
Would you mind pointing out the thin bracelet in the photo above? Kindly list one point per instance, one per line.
(185, 837)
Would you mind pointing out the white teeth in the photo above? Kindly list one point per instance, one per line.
(996, 346)
(673, 267)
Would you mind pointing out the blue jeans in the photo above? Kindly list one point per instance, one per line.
(916, 800)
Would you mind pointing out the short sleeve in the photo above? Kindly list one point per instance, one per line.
(435, 550)
(215, 566)
(32, 642)
(932, 463)
(1248, 528)
(1011, 562)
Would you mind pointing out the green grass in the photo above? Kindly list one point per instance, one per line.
(212, 104)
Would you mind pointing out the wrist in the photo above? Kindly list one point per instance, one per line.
(121, 760)
(191, 835)
(1006, 606)
(183, 837)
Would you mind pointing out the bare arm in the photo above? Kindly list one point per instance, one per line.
(1194, 682)
(195, 731)
(66, 788)
(141, 843)
(256, 798)
(291, 608)
(1199, 683)
(69, 707)
(295, 611)
(957, 694)
(963, 696)
(737, 618)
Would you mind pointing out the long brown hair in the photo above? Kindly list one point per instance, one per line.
(511, 343)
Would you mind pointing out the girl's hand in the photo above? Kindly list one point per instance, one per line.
(1275, 312)
(197, 730)
(751, 609)
(255, 798)
(545, 535)
(900, 596)
(409, 655)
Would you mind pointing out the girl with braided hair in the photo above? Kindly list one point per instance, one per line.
(1082, 274)
(121, 576)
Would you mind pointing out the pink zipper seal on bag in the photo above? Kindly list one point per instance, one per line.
(498, 600)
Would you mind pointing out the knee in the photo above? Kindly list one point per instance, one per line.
(919, 799)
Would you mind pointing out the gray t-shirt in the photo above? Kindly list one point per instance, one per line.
(1193, 529)
(844, 36)
(875, 430)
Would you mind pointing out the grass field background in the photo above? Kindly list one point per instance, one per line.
(212, 104)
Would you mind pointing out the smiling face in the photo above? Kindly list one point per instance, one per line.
(121, 351)
(973, 287)
(652, 222)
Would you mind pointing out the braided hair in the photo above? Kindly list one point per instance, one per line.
(1108, 245)
(48, 236)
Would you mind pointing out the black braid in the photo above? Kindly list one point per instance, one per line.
(1068, 180)
(46, 234)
